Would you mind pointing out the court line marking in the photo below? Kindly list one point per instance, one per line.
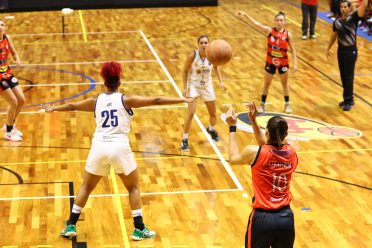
(215, 148)
(173, 157)
(76, 33)
(136, 109)
(88, 83)
(83, 26)
(121, 195)
(85, 63)
(119, 208)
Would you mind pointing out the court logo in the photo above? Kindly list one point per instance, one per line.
(299, 128)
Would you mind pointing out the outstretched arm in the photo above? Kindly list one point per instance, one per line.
(362, 8)
(252, 113)
(85, 105)
(248, 154)
(143, 101)
(263, 28)
(13, 51)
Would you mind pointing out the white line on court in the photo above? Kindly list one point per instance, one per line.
(75, 33)
(85, 63)
(215, 148)
(87, 83)
(120, 195)
(136, 109)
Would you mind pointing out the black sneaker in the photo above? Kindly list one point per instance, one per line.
(213, 134)
(347, 107)
(341, 104)
(185, 145)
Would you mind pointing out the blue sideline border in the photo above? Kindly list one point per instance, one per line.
(323, 15)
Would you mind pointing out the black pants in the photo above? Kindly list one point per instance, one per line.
(347, 57)
(273, 228)
(335, 7)
(306, 10)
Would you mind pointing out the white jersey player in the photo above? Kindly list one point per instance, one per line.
(110, 145)
(197, 81)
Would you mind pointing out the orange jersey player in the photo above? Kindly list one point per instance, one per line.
(9, 86)
(279, 40)
(271, 222)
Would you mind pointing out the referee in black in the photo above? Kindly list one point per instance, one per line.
(345, 29)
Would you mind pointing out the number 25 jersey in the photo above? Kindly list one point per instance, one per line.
(112, 118)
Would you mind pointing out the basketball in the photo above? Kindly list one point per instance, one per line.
(219, 52)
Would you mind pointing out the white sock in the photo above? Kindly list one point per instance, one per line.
(137, 212)
(76, 209)
(211, 127)
(185, 136)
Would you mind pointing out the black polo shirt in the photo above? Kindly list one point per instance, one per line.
(347, 30)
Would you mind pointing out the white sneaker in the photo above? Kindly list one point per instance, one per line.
(15, 130)
(287, 108)
(313, 36)
(12, 136)
(304, 37)
(261, 108)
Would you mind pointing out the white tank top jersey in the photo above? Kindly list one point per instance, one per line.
(201, 71)
(112, 119)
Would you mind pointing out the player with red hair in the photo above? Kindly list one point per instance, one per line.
(110, 145)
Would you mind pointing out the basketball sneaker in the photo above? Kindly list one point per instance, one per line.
(15, 129)
(69, 231)
(347, 107)
(185, 145)
(12, 136)
(341, 104)
(214, 134)
(141, 235)
(287, 108)
(261, 108)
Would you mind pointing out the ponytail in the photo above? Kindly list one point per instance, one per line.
(280, 13)
(278, 130)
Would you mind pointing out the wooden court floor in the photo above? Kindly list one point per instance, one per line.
(194, 199)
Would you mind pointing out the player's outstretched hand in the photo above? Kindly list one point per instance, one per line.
(45, 108)
(231, 118)
(191, 99)
(252, 109)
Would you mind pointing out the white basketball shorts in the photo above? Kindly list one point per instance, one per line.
(105, 154)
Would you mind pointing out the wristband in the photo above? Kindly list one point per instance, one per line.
(232, 129)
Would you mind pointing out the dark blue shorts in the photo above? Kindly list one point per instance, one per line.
(270, 228)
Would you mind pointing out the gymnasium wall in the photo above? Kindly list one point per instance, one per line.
(33, 5)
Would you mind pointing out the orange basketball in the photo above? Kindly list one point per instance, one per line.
(219, 52)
